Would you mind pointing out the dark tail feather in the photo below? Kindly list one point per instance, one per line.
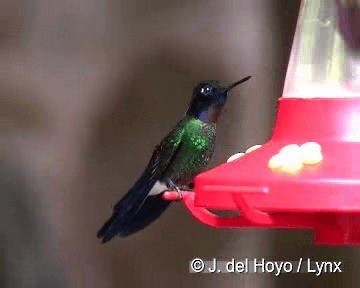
(108, 231)
(134, 211)
(126, 209)
(152, 208)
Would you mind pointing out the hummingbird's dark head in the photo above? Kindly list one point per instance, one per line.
(209, 98)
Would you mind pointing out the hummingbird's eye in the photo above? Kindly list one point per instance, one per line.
(206, 90)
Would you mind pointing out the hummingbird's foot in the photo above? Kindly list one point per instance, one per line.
(178, 191)
(180, 196)
(172, 195)
(175, 188)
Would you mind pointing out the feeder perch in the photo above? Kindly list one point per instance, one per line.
(320, 103)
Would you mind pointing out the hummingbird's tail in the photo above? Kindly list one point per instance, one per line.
(134, 211)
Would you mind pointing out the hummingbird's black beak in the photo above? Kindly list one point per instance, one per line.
(237, 83)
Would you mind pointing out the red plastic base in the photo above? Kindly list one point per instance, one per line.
(324, 197)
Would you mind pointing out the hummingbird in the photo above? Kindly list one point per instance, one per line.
(180, 156)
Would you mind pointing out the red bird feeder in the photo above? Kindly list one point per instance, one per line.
(320, 103)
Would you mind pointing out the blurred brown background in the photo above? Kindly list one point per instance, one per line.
(87, 88)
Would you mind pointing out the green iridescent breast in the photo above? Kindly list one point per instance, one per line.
(197, 140)
(197, 135)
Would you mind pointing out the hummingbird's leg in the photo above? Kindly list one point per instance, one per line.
(173, 187)
(186, 188)
(189, 187)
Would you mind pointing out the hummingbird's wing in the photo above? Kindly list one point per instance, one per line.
(136, 209)
(153, 205)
